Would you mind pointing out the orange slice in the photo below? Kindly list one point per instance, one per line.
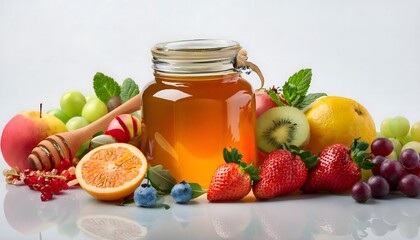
(112, 171)
(111, 227)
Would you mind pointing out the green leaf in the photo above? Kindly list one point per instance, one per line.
(309, 99)
(306, 155)
(197, 190)
(289, 92)
(232, 156)
(275, 97)
(226, 155)
(302, 81)
(160, 178)
(125, 202)
(362, 146)
(296, 88)
(129, 89)
(310, 162)
(105, 87)
(253, 172)
(366, 164)
(359, 155)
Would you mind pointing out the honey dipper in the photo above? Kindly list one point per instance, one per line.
(50, 151)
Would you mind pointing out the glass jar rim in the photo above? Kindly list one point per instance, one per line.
(196, 56)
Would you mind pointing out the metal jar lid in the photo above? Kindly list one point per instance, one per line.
(197, 56)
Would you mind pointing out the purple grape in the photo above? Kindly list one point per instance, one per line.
(378, 160)
(382, 147)
(409, 158)
(378, 186)
(379, 227)
(361, 192)
(392, 171)
(410, 185)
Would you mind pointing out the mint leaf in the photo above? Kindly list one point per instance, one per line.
(197, 190)
(290, 92)
(160, 178)
(275, 97)
(302, 81)
(129, 89)
(309, 99)
(296, 87)
(105, 87)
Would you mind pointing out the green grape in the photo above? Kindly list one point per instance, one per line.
(90, 96)
(393, 155)
(384, 128)
(415, 132)
(413, 144)
(76, 123)
(72, 103)
(94, 109)
(405, 139)
(399, 126)
(397, 145)
(59, 114)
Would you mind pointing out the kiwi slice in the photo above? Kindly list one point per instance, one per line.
(281, 125)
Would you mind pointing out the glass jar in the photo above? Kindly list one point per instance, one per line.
(197, 105)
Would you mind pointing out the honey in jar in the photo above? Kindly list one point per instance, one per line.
(197, 105)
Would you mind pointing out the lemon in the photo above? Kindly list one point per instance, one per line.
(335, 119)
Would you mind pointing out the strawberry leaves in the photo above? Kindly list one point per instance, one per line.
(306, 156)
(236, 157)
(359, 155)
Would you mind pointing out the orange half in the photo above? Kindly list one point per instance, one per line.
(112, 171)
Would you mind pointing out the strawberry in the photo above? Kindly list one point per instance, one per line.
(232, 180)
(338, 168)
(283, 172)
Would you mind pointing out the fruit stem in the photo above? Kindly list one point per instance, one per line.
(40, 110)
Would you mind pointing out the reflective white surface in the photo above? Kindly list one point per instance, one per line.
(25, 216)
(363, 49)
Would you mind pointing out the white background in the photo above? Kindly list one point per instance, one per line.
(368, 50)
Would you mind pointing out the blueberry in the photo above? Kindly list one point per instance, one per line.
(182, 192)
(145, 196)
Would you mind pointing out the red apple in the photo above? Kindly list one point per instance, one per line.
(23, 133)
(263, 102)
(124, 127)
